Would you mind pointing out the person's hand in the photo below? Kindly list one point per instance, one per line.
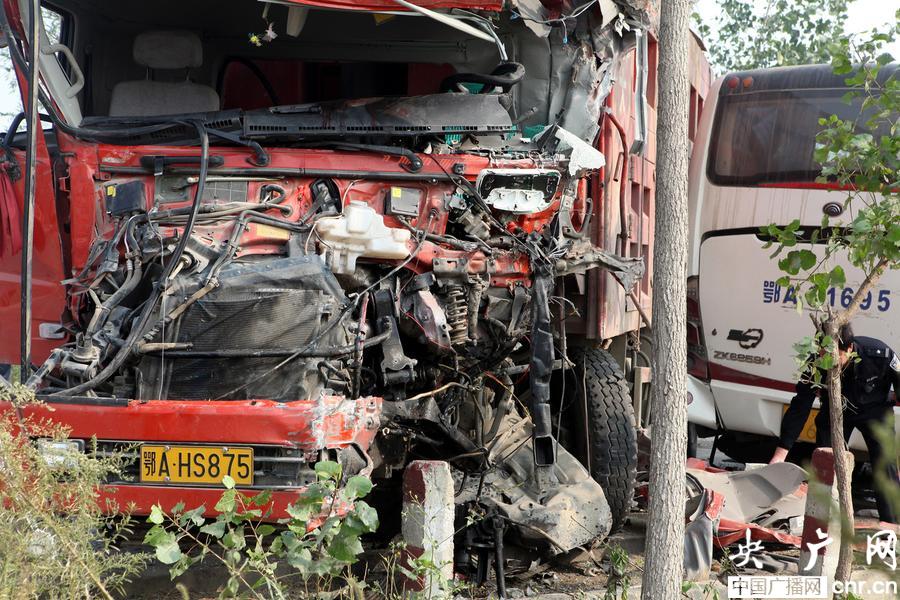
(779, 456)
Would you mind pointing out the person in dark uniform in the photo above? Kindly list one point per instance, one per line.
(866, 385)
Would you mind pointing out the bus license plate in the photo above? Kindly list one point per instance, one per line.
(206, 465)
(808, 433)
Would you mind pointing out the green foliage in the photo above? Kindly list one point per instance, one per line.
(319, 541)
(55, 538)
(619, 581)
(693, 590)
(782, 32)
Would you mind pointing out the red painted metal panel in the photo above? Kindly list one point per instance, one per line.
(331, 422)
(141, 499)
(48, 297)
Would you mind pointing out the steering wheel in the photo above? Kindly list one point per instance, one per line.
(255, 70)
(505, 76)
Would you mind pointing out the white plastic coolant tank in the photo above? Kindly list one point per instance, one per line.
(359, 232)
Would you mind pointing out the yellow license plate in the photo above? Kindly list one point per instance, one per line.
(196, 464)
(808, 433)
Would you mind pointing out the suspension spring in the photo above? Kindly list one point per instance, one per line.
(457, 314)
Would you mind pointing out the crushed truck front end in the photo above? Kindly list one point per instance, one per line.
(346, 249)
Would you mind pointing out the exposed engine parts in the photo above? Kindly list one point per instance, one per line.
(423, 295)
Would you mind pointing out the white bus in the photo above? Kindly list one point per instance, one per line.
(752, 165)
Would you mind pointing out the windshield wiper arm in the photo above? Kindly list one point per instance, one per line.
(262, 157)
(415, 163)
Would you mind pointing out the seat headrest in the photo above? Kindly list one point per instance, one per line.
(168, 50)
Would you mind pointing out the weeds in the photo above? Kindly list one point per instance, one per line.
(708, 591)
(619, 581)
(56, 540)
(318, 542)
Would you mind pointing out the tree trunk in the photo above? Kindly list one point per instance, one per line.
(842, 474)
(663, 572)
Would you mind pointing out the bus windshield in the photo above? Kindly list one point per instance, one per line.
(769, 137)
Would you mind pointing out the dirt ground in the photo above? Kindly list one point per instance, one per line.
(580, 572)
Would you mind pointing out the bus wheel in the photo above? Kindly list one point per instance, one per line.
(611, 443)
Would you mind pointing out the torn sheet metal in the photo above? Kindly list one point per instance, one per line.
(609, 11)
(702, 515)
(770, 496)
(583, 157)
(735, 531)
(583, 256)
(757, 500)
(569, 514)
(587, 90)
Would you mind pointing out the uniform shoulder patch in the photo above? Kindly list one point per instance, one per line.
(895, 363)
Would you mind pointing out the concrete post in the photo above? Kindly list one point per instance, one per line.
(820, 523)
(427, 525)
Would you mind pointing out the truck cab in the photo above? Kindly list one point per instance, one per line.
(272, 233)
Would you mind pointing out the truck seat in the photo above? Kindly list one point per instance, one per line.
(164, 50)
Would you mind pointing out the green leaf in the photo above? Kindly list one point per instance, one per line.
(156, 535)
(216, 529)
(230, 540)
(228, 482)
(893, 234)
(837, 276)
(796, 260)
(807, 260)
(301, 512)
(156, 515)
(194, 516)
(168, 552)
(345, 548)
(328, 469)
(181, 566)
(300, 560)
(291, 541)
(262, 498)
(264, 530)
(227, 502)
(233, 586)
(258, 583)
(357, 487)
(178, 508)
(367, 515)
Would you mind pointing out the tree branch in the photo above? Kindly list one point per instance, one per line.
(843, 317)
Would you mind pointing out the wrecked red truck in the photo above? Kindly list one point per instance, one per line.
(268, 234)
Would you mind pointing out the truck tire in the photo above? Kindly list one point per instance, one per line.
(612, 440)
